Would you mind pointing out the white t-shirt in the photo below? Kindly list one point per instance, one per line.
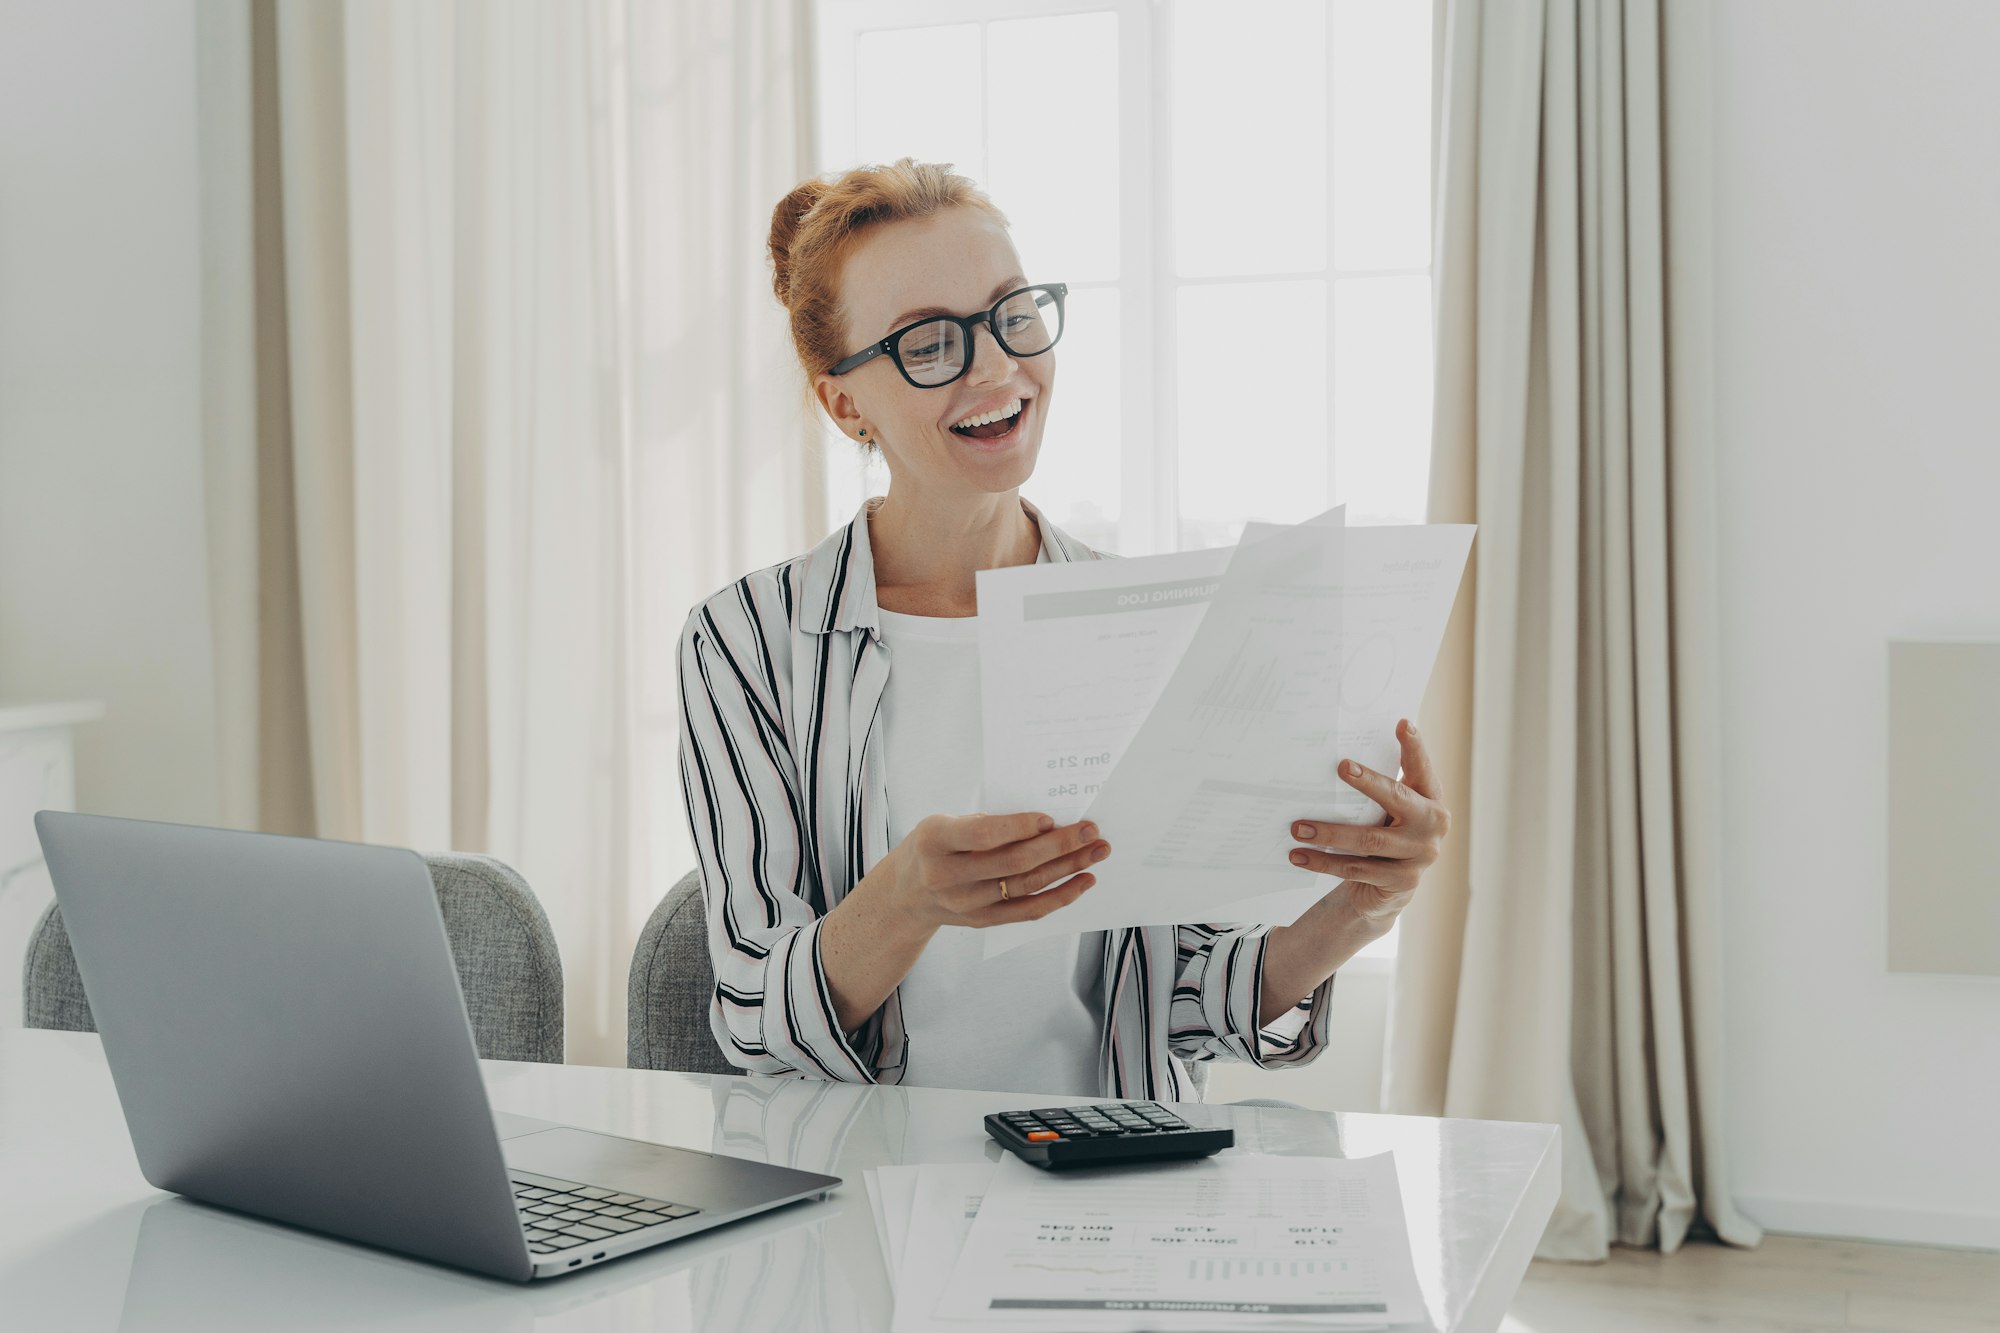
(1032, 1019)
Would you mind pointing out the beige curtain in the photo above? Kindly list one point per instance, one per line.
(435, 583)
(1562, 963)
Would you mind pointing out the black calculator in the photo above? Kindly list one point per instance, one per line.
(1057, 1137)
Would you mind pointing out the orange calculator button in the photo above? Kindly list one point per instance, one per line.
(1042, 1135)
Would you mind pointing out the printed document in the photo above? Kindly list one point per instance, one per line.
(1195, 708)
(1072, 658)
(891, 1194)
(1232, 1241)
(1248, 684)
(1398, 585)
(940, 1207)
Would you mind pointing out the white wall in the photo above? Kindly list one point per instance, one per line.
(103, 575)
(1858, 379)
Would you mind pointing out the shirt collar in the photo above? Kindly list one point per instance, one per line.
(840, 572)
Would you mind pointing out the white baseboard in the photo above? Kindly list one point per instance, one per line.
(1848, 1221)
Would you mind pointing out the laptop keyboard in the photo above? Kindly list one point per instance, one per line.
(557, 1219)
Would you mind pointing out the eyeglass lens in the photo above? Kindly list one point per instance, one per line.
(935, 352)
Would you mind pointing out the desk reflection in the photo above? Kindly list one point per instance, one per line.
(839, 1129)
(197, 1269)
(810, 1124)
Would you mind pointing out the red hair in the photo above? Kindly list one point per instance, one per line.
(817, 225)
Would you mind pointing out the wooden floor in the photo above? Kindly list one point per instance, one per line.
(1786, 1284)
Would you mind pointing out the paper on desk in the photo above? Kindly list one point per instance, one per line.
(898, 1185)
(1314, 640)
(938, 1213)
(1236, 1240)
(881, 1222)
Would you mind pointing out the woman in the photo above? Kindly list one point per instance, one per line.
(827, 792)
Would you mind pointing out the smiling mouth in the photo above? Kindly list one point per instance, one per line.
(998, 429)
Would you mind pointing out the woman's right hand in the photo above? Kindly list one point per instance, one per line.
(949, 868)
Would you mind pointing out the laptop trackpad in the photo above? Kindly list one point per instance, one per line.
(677, 1175)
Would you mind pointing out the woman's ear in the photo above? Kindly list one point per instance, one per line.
(841, 407)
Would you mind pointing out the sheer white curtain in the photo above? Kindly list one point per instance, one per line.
(457, 575)
(727, 469)
(1562, 963)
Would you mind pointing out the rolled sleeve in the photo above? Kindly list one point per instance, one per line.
(1217, 992)
(772, 1011)
(806, 1034)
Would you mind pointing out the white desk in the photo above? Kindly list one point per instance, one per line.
(86, 1244)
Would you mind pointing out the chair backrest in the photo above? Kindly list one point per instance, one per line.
(508, 966)
(668, 993)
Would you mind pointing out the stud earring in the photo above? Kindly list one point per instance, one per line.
(863, 432)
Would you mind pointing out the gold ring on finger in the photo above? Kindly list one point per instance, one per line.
(1003, 890)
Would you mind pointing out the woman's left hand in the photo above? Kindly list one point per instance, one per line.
(1381, 863)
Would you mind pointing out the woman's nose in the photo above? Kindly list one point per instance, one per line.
(990, 362)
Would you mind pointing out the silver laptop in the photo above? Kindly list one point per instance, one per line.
(283, 1022)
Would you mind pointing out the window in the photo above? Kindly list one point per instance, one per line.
(1238, 196)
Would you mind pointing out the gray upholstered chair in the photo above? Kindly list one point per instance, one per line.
(667, 994)
(508, 966)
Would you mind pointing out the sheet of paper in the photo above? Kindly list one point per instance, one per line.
(1315, 640)
(1246, 718)
(1236, 1240)
(1398, 587)
(1071, 659)
(898, 1185)
(881, 1224)
(942, 1208)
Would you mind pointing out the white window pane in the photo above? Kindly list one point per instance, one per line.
(1052, 142)
(1077, 473)
(914, 96)
(1382, 397)
(1381, 134)
(1252, 386)
(1249, 127)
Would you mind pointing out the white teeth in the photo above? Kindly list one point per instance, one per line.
(997, 415)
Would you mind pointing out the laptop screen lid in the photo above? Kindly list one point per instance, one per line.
(284, 1026)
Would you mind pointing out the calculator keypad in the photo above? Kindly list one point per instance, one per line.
(1089, 1122)
(1102, 1132)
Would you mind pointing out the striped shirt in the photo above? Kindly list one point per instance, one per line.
(782, 674)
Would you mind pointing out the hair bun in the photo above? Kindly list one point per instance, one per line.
(784, 226)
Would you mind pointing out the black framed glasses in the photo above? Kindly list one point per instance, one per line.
(937, 349)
